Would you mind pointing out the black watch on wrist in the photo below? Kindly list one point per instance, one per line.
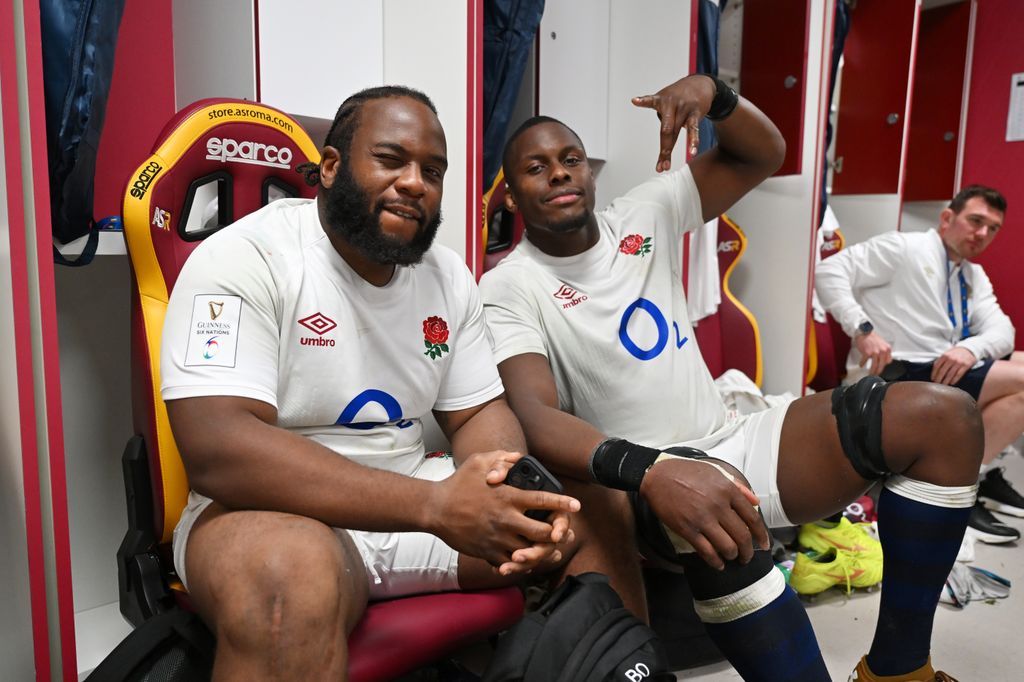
(865, 327)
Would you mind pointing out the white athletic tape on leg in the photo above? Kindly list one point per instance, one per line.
(743, 603)
(666, 455)
(951, 497)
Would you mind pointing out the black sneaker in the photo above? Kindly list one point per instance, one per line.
(996, 493)
(988, 528)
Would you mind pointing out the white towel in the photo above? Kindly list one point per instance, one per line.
(703, 282)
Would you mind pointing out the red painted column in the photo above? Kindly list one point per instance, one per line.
(988, 158)
(35, 318)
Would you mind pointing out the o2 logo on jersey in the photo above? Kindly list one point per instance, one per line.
(372, 396)
(643, 306)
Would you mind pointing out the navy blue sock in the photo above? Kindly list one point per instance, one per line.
(920, 540)
(774, 643)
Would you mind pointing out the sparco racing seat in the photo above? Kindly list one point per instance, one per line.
(214, 162)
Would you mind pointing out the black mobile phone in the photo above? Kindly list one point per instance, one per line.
(529, 474)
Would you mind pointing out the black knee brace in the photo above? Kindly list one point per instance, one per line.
(858, 412)
(710, 583)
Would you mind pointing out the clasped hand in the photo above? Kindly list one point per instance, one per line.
(477, 514)
(715, 515)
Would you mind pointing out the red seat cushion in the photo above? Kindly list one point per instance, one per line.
(401, 635)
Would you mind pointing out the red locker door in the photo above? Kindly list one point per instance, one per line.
(873, 97)
(937, 102)
(773, 72)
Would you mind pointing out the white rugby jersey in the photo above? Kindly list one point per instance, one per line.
(612, 321)
(267, 309)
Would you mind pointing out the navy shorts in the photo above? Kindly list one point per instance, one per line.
(902, 370)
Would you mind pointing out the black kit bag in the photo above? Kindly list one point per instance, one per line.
(173, 646)
(582, 633)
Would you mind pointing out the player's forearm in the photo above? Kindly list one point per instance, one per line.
(563, 442)
(750, 148)
(245, 463)
(494, 427)
(748, 138)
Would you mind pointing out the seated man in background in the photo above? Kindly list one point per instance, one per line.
(918, 309)
(590, 329)
(311, 491)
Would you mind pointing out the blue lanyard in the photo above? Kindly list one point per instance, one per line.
(966, 331)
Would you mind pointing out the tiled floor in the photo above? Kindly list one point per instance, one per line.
(979, 643)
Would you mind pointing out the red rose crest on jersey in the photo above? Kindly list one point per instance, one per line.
(635, 245)
(435, 336)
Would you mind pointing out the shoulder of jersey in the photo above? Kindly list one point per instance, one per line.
(268, 224)
(509, 269)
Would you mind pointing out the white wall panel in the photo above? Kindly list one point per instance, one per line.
(214, 54)
(315, 53)
(863, 216)
(648, 48)
(921, 216)
(573, 51)
(425, 47)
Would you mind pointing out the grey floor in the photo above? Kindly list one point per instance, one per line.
(979, 643)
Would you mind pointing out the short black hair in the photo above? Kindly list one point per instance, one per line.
(526, 125)
(347, 119)
(991, 196)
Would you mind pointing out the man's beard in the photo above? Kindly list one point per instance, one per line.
(348, 212)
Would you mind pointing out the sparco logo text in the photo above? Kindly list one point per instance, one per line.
(228, 150)
(145, 178)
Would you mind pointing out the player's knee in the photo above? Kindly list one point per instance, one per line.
(295, 589)
(940, 422)
(740, 478)
(918, 419)
(961, 423)
(1017, 400)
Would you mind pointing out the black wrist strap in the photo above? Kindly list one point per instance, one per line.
(617, 463)
(725, 100)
